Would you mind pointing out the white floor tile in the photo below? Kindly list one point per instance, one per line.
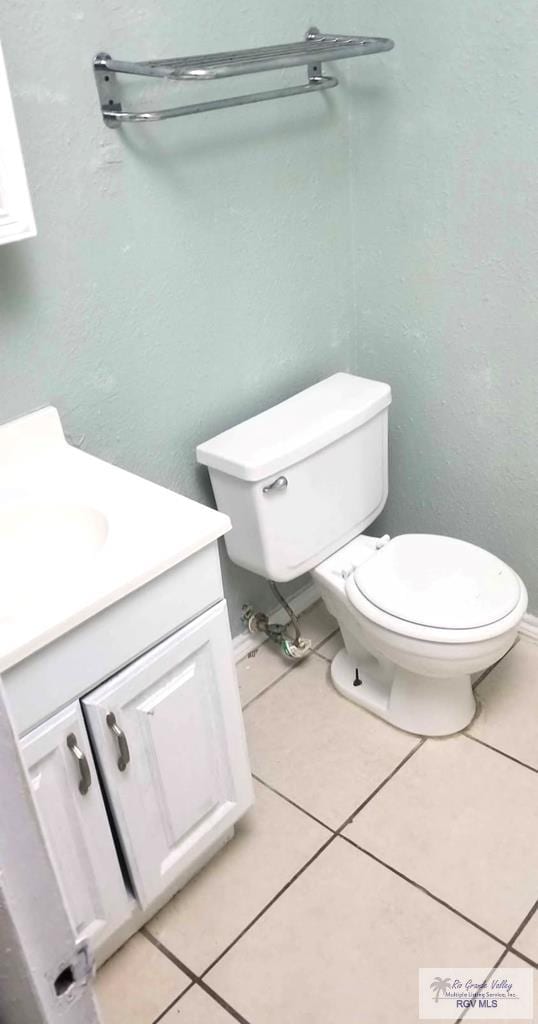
(343, 946)
(527, 942)
(462, 821)
(195, 1007)
(271, 843)
(330, 648)
(513, 961)
(137, 984)
(318, 748)
(508, 718)
(259, 670)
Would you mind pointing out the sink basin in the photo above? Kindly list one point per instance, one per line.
(78, 534)
(44, 545)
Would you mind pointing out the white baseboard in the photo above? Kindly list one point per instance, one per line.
(246, 642)
(529, 627)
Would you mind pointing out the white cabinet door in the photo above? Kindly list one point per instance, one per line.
(168, 732)
(73, 817)
(16, 216)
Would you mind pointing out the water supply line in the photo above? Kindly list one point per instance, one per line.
(294, 647)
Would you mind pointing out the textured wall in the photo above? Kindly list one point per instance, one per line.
(444, 172)
(185, 274)
(188, 274)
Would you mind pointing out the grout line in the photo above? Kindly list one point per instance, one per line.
(517, 952)
(422, 888)
(173, 1003)
(195, 980)
(488, 975)
(500, 960)
(523, 924)
(495, 663)
(321, 642)
(319, 657)
(503, 753)
(382, 784)
(481, 678)
(273, 900)
(348, 820)
(222, 1002)
(168, 953)
(485, 674)
(293, 803)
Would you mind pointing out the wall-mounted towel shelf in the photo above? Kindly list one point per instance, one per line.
(315, 48)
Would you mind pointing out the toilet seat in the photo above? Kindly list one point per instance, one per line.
(437, 588)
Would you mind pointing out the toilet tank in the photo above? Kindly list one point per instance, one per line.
(325, 451)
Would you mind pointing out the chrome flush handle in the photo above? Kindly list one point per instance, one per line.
(279, 484)
(123, 746)
(85, 780)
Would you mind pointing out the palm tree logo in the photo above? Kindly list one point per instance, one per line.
(440, 987)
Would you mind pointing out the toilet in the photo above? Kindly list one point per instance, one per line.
(419, 614)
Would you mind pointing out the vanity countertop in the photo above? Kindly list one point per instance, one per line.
(77, 534)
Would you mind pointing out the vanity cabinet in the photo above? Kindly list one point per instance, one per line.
(139, 778)
(118, 670)
(168, 738)
(72, 812)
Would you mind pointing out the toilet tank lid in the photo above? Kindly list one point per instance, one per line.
(296, 428)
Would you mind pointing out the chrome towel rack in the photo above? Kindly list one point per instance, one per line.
(312, 51)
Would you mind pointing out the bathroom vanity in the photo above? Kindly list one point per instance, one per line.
(118, 669)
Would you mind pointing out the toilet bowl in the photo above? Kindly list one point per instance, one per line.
(419, 614)
(418, 674)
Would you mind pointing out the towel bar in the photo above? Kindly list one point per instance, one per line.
(315, 48)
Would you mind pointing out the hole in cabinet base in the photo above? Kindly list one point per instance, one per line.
(64, 981)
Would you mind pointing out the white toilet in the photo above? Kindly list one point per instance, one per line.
(419, 614)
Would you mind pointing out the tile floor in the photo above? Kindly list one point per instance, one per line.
(368, 853)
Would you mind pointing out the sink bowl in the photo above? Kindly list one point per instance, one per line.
(44, 546)
(78, 534)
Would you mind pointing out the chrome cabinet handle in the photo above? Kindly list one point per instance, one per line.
(85, 780)
(279, 484)
(125, 757)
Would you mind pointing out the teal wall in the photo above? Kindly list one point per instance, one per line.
(188, 274)
(444, 169)
(185, 274)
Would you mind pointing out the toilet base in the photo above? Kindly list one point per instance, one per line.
(424, 705)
